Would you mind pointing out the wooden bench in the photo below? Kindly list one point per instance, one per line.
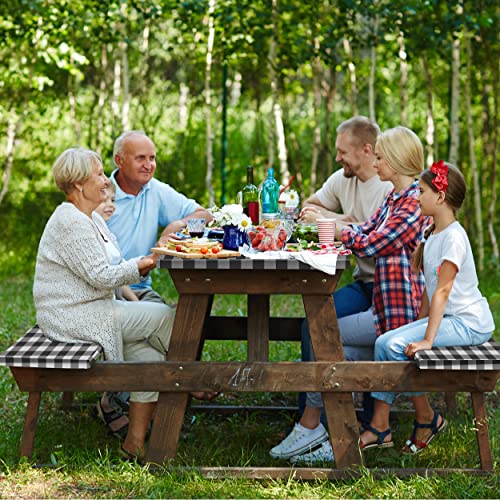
(41, 365)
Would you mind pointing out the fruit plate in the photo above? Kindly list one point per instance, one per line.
(222, 254)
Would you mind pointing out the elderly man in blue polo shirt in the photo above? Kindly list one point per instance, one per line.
(143, 204)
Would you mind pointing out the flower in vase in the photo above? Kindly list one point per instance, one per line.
(231, 215)
(293, 199)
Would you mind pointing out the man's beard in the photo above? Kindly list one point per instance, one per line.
(348, 173)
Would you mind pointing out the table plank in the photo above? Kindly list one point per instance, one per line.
(258, 328)
(190, 317)
(339, 407)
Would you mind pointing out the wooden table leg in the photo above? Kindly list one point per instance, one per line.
(483, 439)
(339, 407)
(30, 424)
(190, 316)
(258, 328)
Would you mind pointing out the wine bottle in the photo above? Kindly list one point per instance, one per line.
(250, 195)
(269, 194)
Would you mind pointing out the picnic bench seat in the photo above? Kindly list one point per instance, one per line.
(39, 364)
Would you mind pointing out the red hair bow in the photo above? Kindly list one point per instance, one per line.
(440, 170)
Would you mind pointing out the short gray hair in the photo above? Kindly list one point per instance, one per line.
(72, 166)
(118, 146)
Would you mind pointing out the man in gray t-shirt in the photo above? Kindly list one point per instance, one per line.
(351, 195)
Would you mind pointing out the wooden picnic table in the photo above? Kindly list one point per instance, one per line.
(197, 281)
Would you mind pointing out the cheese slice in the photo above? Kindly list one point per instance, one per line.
(193, 245)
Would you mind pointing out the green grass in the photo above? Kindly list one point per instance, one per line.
(86, 464)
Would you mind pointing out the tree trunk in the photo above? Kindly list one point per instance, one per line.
(12, 129)
(102, 99)
(115, 101)
(430, 130)
(72, 84)
(353, 95)
(316, 67)
(455, 96)
(208, 103)
(490, 134)
(473, 163)
(403, 79)
(330, 87)
(277, 113)
(16, 120)
(125, 73)
(272, 79)
(373, 65)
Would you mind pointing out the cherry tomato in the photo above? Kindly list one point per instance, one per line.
(215, 250)
(178, 248)
(204, 250)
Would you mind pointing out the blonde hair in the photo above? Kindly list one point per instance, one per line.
(454, 198)
(362, 130)
(402, 150)
(111, 188)
(72, 166)
(122, 139)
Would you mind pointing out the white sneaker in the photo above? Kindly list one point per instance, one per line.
(322, 454)
(299, 441)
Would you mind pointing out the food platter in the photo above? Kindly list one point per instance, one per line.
(222, 254)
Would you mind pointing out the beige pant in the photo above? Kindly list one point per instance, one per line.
(142, 325)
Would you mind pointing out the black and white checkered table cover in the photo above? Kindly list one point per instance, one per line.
(242, 263)
(479, 357)
(35, 350)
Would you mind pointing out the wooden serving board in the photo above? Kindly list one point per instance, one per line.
(222, 254)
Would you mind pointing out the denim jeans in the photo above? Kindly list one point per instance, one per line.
(452, 332)
(349, 300)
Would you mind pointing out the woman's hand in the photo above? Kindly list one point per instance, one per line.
(146, 264)
(414, 347)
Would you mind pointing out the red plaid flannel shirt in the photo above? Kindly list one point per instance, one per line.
(391, 235)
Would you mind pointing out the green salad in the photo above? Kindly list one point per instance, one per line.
(306, 232)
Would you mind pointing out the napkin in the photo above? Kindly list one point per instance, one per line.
(326, 262)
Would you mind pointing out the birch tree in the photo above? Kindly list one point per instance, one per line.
(208, 103)
(455, 93)
(472, 157)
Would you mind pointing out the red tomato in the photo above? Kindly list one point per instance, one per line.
(204, 250)
(215, 250)
(178, 248)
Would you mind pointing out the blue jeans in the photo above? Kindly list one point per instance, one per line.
(351, 299)
(452, 332)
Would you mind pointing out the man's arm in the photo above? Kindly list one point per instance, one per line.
(313, 209)
(179, 225)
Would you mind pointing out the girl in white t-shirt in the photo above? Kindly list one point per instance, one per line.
(453, 311)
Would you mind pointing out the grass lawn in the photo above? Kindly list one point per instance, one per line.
(86, 463)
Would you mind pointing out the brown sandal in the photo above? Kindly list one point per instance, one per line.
(205, 396)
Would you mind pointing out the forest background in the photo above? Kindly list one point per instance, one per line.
(220, 84)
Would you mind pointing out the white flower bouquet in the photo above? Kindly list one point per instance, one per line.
(231, 215)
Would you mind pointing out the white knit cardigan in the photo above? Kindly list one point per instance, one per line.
(74, 283)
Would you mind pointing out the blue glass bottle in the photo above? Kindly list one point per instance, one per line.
(269, 194)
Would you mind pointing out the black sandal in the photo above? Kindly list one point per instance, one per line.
(116, 422)
(413, 445)
(379, 443)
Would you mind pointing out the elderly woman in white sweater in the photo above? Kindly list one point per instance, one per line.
(74, 286)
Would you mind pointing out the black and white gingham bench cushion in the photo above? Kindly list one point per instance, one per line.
(35, 350)
(479, 357)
